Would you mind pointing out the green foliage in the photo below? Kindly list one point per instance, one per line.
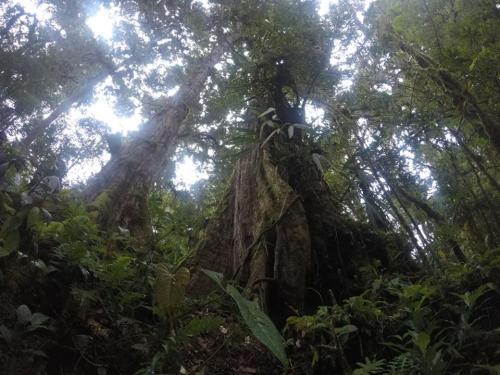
(32, 320)
(422, 326)
(370, 367)
(260, 325)
(199, 325)
(405, 145)
(27, 323)
(170, 289)
(176, 221)
(256, 320)
(325, 321)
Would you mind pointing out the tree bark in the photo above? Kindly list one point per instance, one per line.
(126, 179)
(280, 233)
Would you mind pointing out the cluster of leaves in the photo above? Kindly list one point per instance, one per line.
(427, 325)
(100, 297)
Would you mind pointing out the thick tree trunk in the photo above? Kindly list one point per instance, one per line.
(281, 233)
(125, 181)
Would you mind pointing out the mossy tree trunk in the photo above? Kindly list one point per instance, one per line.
(281, 233)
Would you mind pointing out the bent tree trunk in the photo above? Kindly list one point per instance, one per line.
(280, 233)
(122, 186)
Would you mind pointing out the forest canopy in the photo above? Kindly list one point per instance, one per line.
(250, 187)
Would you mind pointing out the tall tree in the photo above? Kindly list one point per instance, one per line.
(279, 230)
(127, 178)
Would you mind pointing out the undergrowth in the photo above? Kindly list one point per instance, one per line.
(446, 323)
(75, 300)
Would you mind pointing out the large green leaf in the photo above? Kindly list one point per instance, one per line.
(215, 276)
(266, 112)
(259, 323)
(10, 243)
(9, 235)
(170, 289)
